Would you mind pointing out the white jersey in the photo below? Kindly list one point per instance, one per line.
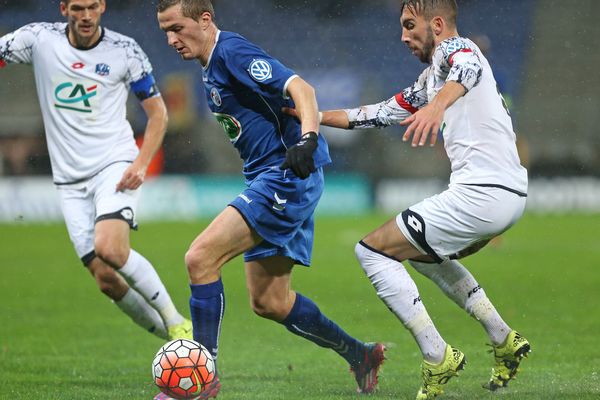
(477, 129)
(82, 94)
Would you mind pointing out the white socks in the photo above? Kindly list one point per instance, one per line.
(142, 277)
(459, 285)
(134, 305)
(398, 291)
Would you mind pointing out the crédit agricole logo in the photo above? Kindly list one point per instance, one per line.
(75, 96)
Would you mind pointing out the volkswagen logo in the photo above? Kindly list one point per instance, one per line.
(260, 70)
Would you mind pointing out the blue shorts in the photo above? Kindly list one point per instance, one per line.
(280, 207)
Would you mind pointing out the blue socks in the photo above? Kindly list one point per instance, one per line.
(207, 306)
(306, 320)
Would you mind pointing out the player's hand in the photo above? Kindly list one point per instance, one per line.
(132, 178)
(423, 124)
(299, 157)
(290, 111)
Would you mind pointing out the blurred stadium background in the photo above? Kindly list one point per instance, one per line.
(57, 336)
(542, 52)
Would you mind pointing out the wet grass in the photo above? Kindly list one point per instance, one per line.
(61, 339)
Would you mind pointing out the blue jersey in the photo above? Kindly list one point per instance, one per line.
(246, 89)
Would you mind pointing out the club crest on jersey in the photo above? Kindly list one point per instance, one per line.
(260, 70)
(216, 97)
(102, 69)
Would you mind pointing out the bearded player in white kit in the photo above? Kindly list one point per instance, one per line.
(456, 94)
(83, 72)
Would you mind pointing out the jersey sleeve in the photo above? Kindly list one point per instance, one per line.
(17, 47)
(140, 78)
(254, 68)
(461, 61)
(391, 111)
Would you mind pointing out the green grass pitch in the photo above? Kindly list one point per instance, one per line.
(61, 339)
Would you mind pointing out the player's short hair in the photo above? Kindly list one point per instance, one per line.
(431, 8)
(190, 8)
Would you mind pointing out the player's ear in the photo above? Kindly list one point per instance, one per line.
(102, 6)
(63, 9)
(205, 19)
(437, 25)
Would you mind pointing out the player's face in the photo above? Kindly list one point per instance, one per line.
(186, 35)
(83, 17)
(417, 34)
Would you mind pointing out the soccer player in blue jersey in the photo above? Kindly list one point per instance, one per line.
(272, 221)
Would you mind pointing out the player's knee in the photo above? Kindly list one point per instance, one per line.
(194, 260)
(199, 262)
(265, 308)
(113, 254)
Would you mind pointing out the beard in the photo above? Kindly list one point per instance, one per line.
(83, 39)
(428, 47)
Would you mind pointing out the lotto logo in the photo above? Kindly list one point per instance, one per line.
(414, 223)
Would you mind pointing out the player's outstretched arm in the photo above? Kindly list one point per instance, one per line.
(156, 111)
(379, 115)
(333, 118)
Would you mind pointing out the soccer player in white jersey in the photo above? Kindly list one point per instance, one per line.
(83, 72)
(457, 95)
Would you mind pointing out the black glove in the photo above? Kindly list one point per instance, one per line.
(299, 157)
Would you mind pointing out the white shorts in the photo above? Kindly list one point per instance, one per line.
(463, 217)
(85, 203)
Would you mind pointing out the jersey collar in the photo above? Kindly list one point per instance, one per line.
(205, 67)
(85, 48)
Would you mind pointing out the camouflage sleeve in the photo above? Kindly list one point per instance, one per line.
(393, 110)
(137, 61)
(17, 47)
(140, 77)
(461, 62)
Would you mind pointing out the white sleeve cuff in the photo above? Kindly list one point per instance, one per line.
(285, 94)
